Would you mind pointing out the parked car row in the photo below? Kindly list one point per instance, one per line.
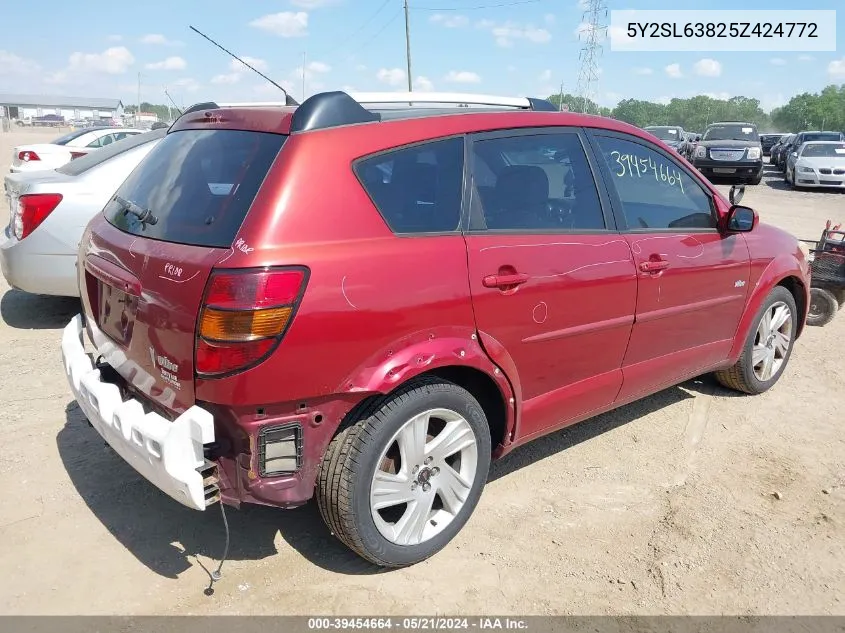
(817, 157)
(73, 145)
(524, 270)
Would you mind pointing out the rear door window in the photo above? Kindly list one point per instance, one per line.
(92, 159)
(198, 184)
(532, 182)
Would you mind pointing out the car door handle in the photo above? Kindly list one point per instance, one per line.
(501, 281)
(654, 265)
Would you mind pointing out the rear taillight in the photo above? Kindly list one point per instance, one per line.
(74, 155)
(27, 156)
(33, 209)
(245, 314)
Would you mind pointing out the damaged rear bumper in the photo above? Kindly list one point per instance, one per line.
(169, 454)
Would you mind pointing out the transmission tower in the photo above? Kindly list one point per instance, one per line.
(592, 35)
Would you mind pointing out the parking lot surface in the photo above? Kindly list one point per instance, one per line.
(693, 501)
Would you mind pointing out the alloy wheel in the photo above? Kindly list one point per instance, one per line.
(771, 344)
(424, 477)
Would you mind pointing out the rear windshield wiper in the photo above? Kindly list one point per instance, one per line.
(144, 215)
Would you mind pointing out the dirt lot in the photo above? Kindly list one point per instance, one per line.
(665, 506)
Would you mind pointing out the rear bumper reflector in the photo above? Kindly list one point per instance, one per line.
(168, 454)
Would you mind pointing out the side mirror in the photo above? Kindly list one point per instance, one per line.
(741, 219)
(735, 194)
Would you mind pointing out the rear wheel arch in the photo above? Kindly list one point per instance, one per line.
(481, 385)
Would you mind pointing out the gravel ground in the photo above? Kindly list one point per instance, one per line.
(692, 501)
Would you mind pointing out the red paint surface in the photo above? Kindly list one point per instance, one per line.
(588, 330)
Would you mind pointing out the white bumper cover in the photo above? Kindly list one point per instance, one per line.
(167, 453)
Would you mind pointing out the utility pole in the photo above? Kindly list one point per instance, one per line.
(303, 76)
(560, 99)
(408, 47)
(138, 111)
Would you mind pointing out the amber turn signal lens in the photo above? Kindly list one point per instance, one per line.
(243, 325)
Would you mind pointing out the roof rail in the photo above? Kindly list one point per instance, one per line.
(330, 109)
(456, 98)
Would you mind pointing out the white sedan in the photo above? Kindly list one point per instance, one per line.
(41, 156)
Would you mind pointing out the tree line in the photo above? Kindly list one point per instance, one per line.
(818, 111)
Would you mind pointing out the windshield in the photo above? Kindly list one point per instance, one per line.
(825, 150)
(822, 136)
(199, 185)
(731, 132)
(92, 159)
(665, 133)
(67, 138)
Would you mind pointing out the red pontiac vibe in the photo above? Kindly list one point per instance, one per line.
(365, 303)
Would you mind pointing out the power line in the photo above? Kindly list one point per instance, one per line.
(349, 37)
(484, 6)
(369, 41)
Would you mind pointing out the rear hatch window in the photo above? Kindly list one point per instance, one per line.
(198, 186)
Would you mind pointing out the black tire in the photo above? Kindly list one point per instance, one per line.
(741, 376)
(350, 462)
(757, 180)
(823, 307)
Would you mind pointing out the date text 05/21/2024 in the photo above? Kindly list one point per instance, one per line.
(418, 623)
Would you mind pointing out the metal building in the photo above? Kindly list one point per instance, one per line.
(20, 107)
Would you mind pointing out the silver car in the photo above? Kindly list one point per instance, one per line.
(49, 210)
(817, 164)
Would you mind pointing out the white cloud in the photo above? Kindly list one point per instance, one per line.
(805, 58)
(643, 71)
(391, 76)
(777, 61)
(115, 38)
(255, 62)
(462, 77)
(159, 39)
(507, 32)
(171, 63)
(583, 4)
(58, 77)
(836, 68)
(449, 21)
(546, 75)
(313, 4)
(423, 84)
(226, 78)
(271, 90)
(719, 96)
(361, 67)
(674, 71)
(188, 84)
(707, 68)
(284, 24)
(11, 64)
(769, 102)
(311, 69)
(113, 61)
(664, 100)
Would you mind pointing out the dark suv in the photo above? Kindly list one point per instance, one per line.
(767, 141)
(799, 139)
(731, 151)
(366, 303)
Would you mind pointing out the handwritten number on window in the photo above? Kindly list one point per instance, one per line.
(628, 165)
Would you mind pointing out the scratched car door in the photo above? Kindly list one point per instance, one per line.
(553, 285)
(692, 278)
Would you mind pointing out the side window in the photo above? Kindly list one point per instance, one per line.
(106, 140)
(534, 183)
(656, 193)
(417, 189)
(95, 143)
